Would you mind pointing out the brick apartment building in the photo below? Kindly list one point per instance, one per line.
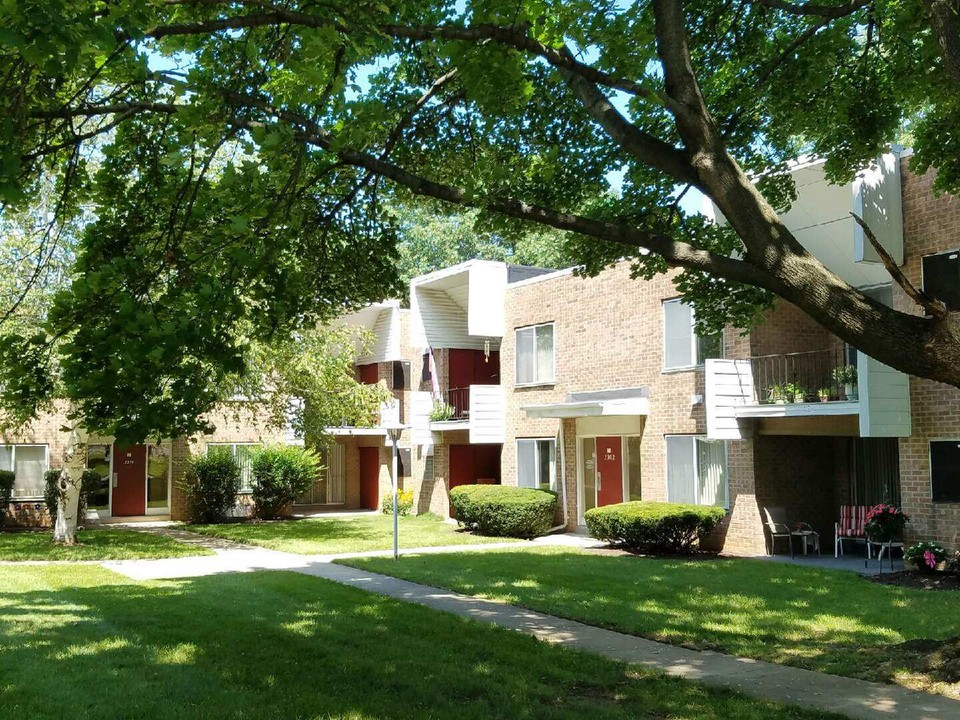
(600, 389)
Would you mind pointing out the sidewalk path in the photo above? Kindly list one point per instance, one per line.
(853, 698)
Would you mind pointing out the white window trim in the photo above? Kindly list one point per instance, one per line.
(13, 460)
(539, 382)
(535, 440)
(243, 490)
(696, 485)
(694, 340)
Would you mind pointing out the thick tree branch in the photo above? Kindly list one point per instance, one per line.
(944, 20)
(931, 305)
(827, 11)
(95, 110)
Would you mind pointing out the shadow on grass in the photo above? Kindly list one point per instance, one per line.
(280, 645)
(93, 544)
(831, 621)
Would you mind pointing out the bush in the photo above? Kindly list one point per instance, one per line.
(504, 511)
(281, 474)
(926, 555)
(7, 479)
(653, 526)
(404, 502)
(211, 484)
(51, 491)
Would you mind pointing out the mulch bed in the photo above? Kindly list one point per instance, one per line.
(919, 580)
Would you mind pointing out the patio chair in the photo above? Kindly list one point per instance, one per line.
(852, 526)
(778, 527)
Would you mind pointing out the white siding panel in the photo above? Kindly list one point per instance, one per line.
(876, 198)
(485, 302)
(420, 406)
(729, 384)
(386, 344)
(442, 322)
(884, 399)
(487, 416)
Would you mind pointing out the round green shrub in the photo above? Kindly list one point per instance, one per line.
(211, 484)
(404, 502)
(281, 474)
(653, 526)
(504, 511)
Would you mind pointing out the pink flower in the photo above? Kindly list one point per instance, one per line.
(930, 559)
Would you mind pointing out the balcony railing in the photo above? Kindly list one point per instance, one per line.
(453, 404)
(818, 376)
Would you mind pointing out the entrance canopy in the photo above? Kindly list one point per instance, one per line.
(623, 401)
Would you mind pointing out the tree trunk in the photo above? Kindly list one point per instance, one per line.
(71, 477)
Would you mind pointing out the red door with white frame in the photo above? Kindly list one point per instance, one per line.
(129, 496)
(609, 470)
(369, 477)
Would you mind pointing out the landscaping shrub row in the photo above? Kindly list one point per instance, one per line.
(653, 526)
(504, 511)
(279, 475)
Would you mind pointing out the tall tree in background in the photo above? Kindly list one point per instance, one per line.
(250, 148)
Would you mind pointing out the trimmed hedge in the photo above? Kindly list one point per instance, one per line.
(657, 527)
(504, 511)
(281, 474)
(211, 485)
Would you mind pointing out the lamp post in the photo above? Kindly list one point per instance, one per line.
(394, 432)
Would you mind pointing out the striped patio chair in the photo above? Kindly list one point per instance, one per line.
(853, 518)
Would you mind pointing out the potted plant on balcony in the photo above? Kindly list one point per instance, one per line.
(928, 557)
(825, 394)
(777, 394)
(846, 375)
(796, 393)
(441, 411)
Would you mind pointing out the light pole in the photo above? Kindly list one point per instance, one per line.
(394, 432)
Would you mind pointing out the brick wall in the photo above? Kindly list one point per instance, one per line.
(930, 224)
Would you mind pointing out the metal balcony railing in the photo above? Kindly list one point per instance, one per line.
(453, 404)
(818, 376)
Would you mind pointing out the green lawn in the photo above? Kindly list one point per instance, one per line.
(832, 621)
(95, 544)
(85, 642)
(323, 536)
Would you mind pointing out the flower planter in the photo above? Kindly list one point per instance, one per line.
(851, 392)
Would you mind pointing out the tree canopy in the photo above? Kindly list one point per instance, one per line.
(241, 156)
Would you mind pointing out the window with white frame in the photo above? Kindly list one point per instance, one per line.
(243, 454)
(28, 463)
(696, 470)
(537, 463)
(682, 347)
(535, 354)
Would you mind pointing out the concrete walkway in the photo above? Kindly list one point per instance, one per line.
(846, 696)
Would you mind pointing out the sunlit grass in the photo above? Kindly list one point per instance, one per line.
(94, 544)
(85, 643)
(326, 536)
(832, 621)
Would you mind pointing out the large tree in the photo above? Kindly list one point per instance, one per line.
(246, 150)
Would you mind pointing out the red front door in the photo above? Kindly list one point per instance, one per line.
(130, 486)
(369, 477)
(609, 470)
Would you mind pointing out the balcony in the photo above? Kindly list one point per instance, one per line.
(780, 394)
(479, 409)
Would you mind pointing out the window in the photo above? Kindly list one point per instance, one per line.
(98, 460)
(682, 347)
(242, 453)
(404, 463)
(425, 373)
(696, 470)
(158, 476)
(28, 463)
(401, 375)
(535, 355)
(945, 470)
(941, 277)
(537, 463)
